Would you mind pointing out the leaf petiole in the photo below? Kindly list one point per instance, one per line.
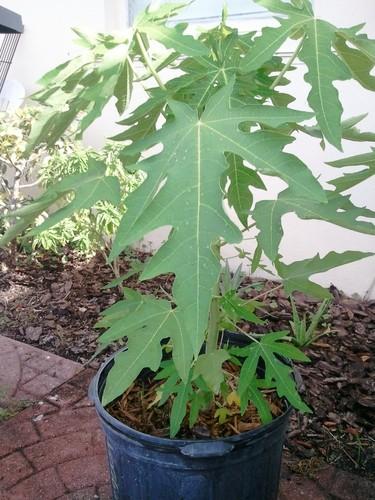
(288, 63)
(148, 61)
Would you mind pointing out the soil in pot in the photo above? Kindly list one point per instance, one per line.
(138, 409)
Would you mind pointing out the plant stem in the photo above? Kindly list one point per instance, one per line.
(131, 64)
(264, 294)
(148, 61)
(213, 330)
(252, 336)
(32, 184)
(288, 64)
(213, 322)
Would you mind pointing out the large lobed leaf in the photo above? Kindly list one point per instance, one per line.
(276, 373)
(82, 87)
(339, 210)
(182, 190)
(319, 41)
(347, 181)
(145, 322)
(296, 276)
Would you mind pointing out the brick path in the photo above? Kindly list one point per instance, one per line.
(29, 373)
(55, 450)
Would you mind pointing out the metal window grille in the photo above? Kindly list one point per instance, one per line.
(7, 50)
(11, 27)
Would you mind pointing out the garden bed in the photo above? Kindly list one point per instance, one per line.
(54, 305)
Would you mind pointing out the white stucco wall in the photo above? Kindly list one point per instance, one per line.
(47, 41)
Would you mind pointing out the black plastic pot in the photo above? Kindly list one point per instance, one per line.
(145, 467)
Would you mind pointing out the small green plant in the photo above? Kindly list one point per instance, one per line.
(228, 280)
(221, 123)
(305, 335)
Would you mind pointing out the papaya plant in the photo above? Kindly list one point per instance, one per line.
(220, 116)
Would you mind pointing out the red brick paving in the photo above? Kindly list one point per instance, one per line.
(55, 448)
(14, 468)
(59, 450)
(94, 472)
(29, 373)
(44, 485)
(17, 433)
(85, 494)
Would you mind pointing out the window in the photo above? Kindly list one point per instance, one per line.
(203, 10)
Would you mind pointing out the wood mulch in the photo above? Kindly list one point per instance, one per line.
(338, 384)
(54, 305)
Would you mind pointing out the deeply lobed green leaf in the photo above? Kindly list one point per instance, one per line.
(145, 322)
(338, 210)
(296, 275)
(318, 39)
(194, 157)
(276, 373)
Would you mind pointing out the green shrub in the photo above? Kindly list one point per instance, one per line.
(87, 230)
(15, 170)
